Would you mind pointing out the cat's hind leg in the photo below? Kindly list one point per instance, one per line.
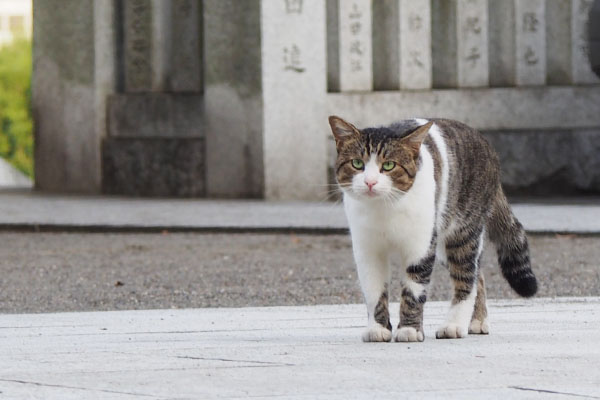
(479, 322)
(463, 251)
(374, 275)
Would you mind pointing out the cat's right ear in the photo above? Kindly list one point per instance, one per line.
(341, 129)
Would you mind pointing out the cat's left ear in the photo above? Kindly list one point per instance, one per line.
(341, 129)
(416, 138)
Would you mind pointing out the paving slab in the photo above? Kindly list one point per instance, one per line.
(32, 210)
(543, 348)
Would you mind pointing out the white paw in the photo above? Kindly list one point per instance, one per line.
(409, 334)
(377, 333)
(451, 331)
(479, 327)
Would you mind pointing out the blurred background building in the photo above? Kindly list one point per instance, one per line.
(16, 20)
(230, 98)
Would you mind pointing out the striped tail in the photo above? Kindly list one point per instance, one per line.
(507, 233)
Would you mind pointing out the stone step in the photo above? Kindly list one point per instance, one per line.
(31, 210)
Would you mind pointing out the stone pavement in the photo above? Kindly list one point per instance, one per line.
(31, 210)
(542, 348)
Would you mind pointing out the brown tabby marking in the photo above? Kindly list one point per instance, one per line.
(382, 314)
(351, 145)
(411, 310)
(463, 260)
(480, 311)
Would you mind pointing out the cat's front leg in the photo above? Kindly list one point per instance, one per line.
(414, 295)
(374, 276)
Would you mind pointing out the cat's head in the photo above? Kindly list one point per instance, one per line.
(376, 163)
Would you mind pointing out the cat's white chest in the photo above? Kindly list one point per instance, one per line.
(401, 227)
(403, 232)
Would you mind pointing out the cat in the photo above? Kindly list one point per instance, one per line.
(426, 192)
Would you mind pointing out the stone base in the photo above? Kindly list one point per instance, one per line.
(155, 115)
(558, 162)
(160, 167)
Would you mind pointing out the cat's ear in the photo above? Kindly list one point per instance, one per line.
(416, 138)
(341, 129)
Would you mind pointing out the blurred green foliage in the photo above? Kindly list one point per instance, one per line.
(16, 126)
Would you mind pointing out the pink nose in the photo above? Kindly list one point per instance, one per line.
(370, 184)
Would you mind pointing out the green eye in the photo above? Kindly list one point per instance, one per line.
(388, 165)
(358, 164)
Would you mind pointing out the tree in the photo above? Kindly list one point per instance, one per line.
(16, 126)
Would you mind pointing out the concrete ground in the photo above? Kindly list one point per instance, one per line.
(537, 349)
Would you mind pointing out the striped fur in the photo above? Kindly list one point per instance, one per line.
(382, 314)
(436, 205)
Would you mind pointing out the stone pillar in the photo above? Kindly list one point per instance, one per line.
(558, 42)
(518, 42)
(156, 144)
(233, 99)
(386, 45)
(333, 46)
(73, 72)
(443, 46)
(567, 42)
(415, 44)
(293, 90)
(460, 43)
(472, 43)
(186, 46)
(105, 69)
(265, 98)
(355, 45)
(580, 60)
(502, 52)
(594, 33)
(139, 71)
(530, 46)
(162, 50)
(161, 43)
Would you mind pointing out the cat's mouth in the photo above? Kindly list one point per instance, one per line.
(370, 194)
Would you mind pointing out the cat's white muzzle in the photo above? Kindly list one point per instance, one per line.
(372, 186)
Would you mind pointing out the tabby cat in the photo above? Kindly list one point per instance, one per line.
(426, 192)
